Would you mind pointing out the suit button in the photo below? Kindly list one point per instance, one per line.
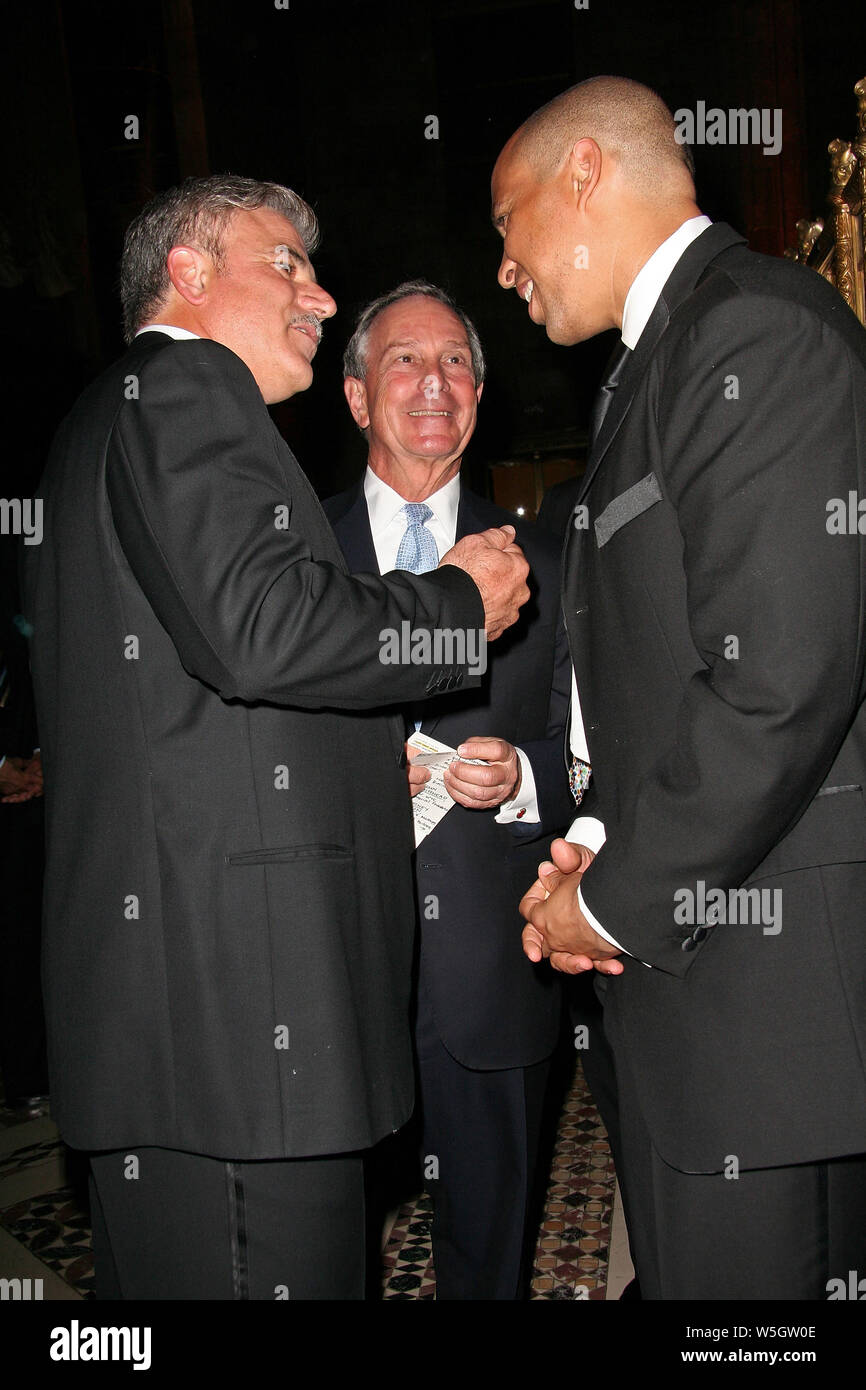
(699, 933)
(579, 611)
(688, 944)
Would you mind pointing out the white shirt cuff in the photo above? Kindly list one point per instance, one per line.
(589, 831)
(526, 800)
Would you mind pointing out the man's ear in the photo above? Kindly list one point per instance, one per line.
(190, 272)
(583, 168)
(356, 395)
(479, 388)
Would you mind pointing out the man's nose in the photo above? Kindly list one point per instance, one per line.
(507, 272)
(317, 301)
(434, 383)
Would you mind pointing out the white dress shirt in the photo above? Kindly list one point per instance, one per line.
(639, 303)
(169, 328)
(388, 524)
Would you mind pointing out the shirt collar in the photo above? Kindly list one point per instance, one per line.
(169, 328)
(650, 280)
(384, 504)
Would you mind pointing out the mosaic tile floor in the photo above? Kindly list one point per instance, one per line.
(572, 1251)
(54, 1228)
(570, 1259)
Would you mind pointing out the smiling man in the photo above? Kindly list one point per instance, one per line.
(228, 933)
(716, 626)
(486, 1019)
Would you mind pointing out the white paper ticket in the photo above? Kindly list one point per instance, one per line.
(432, 802)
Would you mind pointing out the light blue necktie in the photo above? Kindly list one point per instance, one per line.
(418, 552)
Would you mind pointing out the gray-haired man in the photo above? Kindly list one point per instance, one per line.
(228, 927)
(485, 1024)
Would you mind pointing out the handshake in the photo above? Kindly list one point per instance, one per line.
(497, 565)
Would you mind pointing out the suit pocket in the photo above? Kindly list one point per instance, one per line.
(287, 854)
(628, 505)
(832, 830)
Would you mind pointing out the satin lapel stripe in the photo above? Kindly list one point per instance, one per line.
(238, 1231)
(626, 390)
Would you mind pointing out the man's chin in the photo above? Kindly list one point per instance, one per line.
(298, 378)
(565, 335)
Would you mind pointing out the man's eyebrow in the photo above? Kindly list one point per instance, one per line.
(414, 342)
(284, 253)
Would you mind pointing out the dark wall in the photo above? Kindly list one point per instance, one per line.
(331, 98)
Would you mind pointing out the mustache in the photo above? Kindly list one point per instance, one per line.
(310, 318)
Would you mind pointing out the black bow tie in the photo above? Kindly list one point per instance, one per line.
(615, 369)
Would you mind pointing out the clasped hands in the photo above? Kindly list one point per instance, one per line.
(478, 786)
(557, 929)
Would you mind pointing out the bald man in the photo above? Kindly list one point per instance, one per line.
(715, 612)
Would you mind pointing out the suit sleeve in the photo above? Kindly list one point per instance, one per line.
(208, 519)
(761, 423)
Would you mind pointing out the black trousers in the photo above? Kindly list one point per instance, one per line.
(768, 1233)
(172, 1225)
(480, 1145)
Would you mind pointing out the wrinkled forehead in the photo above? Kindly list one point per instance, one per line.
(263, 231)
(416, 319)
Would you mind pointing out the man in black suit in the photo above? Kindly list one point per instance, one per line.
(713, 600)
(487, 1021)
(228, 927)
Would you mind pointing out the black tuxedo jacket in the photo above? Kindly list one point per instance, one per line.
(229, 911)
(717, 629)
(492, 1007)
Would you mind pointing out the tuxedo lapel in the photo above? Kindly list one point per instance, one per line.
(680, 283)
(625, 391)
(353, 532)
(686, 274)
(468, 518)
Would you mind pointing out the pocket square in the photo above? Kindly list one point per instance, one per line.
(626, 507)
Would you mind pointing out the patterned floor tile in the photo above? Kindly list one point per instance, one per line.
(574, 1237)
(54, 1228)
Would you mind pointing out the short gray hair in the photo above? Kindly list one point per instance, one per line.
(355, 356)
(195, 213)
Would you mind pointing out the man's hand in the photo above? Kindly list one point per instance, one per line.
(557, 927)
(499, 569)
(20, 779)
(480, 787)
(417, 775)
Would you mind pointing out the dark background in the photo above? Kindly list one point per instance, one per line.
(331, 98)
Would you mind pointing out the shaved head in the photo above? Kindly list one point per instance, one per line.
(583, 194)
(626, 120)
